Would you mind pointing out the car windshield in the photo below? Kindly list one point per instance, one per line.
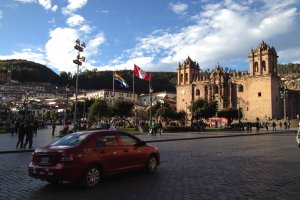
(70, 140)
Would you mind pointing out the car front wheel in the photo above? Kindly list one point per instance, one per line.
(152, 164)
(92, 176)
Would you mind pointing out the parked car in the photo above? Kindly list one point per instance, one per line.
(88, 156)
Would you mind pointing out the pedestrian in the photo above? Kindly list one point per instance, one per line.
(29, 135)
(21, 136)
(288, 124)
(160, 127)
(285, 125)
(267, 126)
(274, 126)
(12, 128)
(17, 126)
(154, 127)
(280, 125)
(53, 127)
(36, 125)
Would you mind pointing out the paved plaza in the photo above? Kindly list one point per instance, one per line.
(257, 166)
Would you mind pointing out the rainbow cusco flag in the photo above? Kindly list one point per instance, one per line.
(118, 78)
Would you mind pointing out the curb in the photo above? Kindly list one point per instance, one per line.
(175, 139)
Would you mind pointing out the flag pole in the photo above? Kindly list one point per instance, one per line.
(133, 82)
(150, 113)
(113, 83)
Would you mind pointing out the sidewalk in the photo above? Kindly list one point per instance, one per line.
(44, 137)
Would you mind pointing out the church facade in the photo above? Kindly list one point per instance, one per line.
(256, 93)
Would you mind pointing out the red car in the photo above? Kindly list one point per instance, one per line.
(90, 155)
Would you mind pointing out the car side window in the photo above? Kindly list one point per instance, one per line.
(127, 140)
(106, 140)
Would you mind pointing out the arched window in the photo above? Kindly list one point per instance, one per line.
(197, 92)
(240, 88)
(216, 89)
(263, 65)
(256, 67)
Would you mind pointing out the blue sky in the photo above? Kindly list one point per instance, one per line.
(156, 34)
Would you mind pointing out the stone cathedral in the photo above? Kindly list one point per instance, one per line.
(256, 93)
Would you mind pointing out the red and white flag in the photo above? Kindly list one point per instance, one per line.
(141, 74)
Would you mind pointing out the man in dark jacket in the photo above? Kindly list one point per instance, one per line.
(29, 134)
(21, 135)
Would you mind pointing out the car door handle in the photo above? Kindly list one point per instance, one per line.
(126, 150)
(102, 152)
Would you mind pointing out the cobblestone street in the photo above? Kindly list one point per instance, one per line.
(250, 167)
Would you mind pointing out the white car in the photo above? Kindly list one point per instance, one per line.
(298, 137)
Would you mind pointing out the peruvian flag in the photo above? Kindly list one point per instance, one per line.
(141, 74)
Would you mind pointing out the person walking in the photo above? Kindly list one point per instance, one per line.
(160, 127)
(154, 128)
(53, 127)
(274, 126)
(35, 126)
(29, 135)
(17, 126)
(21, 136)
(12, 128)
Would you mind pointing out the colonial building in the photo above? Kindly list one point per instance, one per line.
(256, 93)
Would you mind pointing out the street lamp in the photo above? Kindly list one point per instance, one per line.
(239, 118)
(66, 106)
(26, 93)
(84, 106)
(79, 47)
(284, 95)
(150, 118)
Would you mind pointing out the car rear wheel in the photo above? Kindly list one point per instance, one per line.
(152, 164)
(92, 176)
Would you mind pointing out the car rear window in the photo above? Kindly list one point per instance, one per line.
(70, 140)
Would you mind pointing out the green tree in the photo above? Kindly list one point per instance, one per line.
(50, 115)
(230, 114)
(99, 109)
(122, 110)
(203, 109)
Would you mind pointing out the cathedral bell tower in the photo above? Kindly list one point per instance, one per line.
(187, 72)
(263, 60)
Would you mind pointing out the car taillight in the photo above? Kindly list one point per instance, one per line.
(67, 158)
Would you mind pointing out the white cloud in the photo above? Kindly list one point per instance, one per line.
(93, 45)
(54, 8)
(27, 54)
(27, 1)
(46, 4)
(179, 8)
(75, 20)
(289, 56)
(1, 13)
(85, 28)
(60, 50)
(73, 6)
(223, 33)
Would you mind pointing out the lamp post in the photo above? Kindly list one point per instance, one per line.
(66, 106)
(239, 118)
(150, 118)
(84, 106)
(26, 93)
(283, 95)
(79, 47)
